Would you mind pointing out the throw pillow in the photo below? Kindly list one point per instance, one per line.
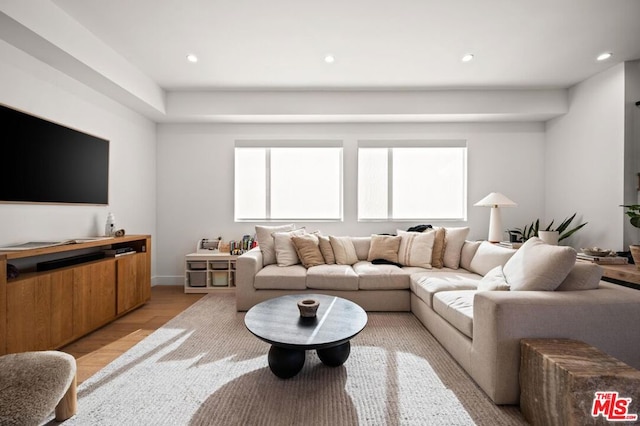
(493, 280)
(326, 250)
(454, 239)
(539, 266)
(488, 256)
(384, 247)
(308, 250)
(264, 235)
(416, 248)
(583, 276)
(343, 250)
(438, 249)
(285, 251)
(469, 249)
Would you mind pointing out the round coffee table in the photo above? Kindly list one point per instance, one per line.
(278, 322)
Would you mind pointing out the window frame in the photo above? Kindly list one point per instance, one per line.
(298, 143)
(390, 145)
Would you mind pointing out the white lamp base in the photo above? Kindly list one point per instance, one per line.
(495, 225)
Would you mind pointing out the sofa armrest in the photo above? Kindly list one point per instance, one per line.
(247, 266)
(600, 317)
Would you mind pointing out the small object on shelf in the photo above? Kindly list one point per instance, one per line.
(308, 307)
(509, 244)
(603, 260)
(110, 226)
(119, 233)
(12, 271)
(118, 251)
(597, 251)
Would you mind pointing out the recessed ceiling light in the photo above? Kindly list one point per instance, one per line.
(604, 56)
(467, 58)
(329, 59)
(192, 58)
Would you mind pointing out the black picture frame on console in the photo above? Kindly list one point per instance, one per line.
(45, 162)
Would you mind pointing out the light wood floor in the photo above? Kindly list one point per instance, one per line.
(99, 348)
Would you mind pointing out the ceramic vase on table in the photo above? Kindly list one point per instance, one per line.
(549, 237)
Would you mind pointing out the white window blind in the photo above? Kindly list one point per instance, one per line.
(288, 180)
(412, 180)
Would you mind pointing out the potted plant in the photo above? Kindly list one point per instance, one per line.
(562, 231)
(633, 211)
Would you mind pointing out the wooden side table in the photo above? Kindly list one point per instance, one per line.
(626, 275)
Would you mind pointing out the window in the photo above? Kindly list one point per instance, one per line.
(288, 181)
(412, 180)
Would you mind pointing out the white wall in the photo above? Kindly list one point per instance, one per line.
(29, 85)
(632, 146)
(584, 159)
(195, 178)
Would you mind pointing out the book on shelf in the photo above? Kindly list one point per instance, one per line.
(509, 244)
(604, 260)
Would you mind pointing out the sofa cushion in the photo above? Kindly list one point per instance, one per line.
(380, 277)
(332, 277)
(469, 249)
(325, 248)
(384, 247)
(426, 285)
(583, 276)
(454, 239)
(416, 248)
(285, 251)
(438, 249)
(539, 266)
(456, 307)
(281, 277)
(488, 256)
(362, 246)
(493, 280)
(308, 250)
(264, 235)
(343, 250)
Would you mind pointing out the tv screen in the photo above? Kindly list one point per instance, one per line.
(44, 162)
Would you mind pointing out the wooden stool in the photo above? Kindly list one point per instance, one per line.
(34, 384)
(559, 379)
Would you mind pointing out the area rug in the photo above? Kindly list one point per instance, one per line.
(204, 368)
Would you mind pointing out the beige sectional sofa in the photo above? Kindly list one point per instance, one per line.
(463, 307)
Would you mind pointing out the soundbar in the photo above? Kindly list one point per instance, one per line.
(68, 261)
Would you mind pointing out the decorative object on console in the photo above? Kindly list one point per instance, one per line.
(110, 226)
(549, 237)
(119, 233)
(597, 251)
(495, 200)
(633, 211)
(308, 308)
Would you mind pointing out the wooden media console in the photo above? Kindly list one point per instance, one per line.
(42, 310)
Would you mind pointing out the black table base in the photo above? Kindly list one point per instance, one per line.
(286, 363)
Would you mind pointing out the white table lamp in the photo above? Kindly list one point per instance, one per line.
(495, 200)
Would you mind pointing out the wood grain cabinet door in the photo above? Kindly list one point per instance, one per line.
(94, 296)
(133, 281)
(39, 312)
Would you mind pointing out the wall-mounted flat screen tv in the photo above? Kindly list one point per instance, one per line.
(44, 162)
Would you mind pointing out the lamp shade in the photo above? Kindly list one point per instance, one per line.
(495, 199)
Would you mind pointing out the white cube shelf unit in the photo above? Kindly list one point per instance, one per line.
(207, 272)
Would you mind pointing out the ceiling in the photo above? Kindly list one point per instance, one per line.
(376, 43)
(279, 46)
